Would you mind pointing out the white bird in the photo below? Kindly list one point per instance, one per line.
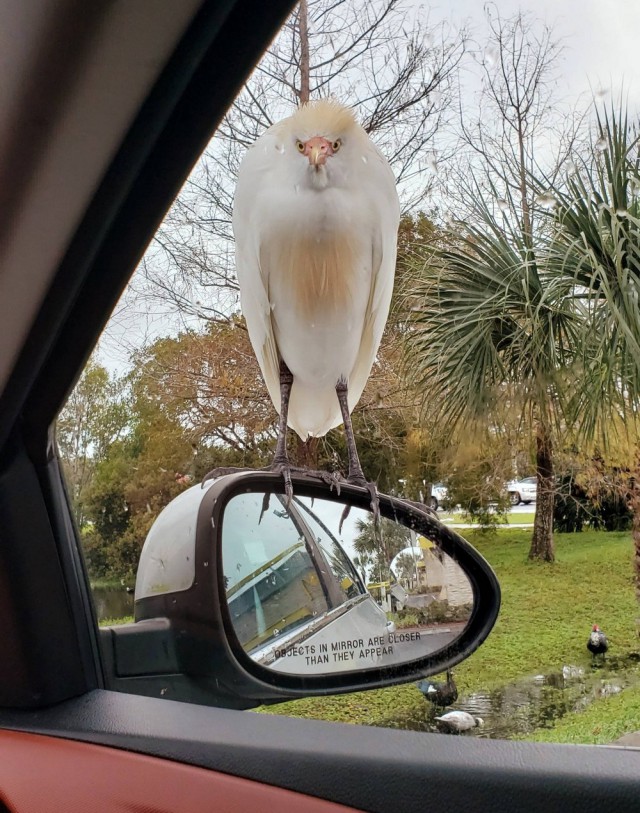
(315, 220)
(457, 721)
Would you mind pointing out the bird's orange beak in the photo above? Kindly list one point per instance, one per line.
(317, 149)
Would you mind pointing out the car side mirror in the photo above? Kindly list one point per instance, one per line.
(260, 600)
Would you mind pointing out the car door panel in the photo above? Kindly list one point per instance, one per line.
(373, 769)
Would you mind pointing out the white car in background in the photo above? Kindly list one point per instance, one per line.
(439, 494)
(524, 490)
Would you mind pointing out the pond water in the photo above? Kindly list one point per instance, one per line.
(112, 602)
(535, 702)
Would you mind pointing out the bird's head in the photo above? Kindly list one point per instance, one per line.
(595, 628)
(321, 138)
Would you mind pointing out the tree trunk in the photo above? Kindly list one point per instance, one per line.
(303, 32)
(542, 546)
(307, 452)
(634, 506)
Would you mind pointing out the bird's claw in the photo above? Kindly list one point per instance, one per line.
(283, 467)
(332, 479)
(285, 470)
(359, 480)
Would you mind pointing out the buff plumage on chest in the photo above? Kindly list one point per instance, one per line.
(315, 220)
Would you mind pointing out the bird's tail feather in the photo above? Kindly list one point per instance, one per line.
(312, 413)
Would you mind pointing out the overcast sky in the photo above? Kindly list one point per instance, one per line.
(600, 38)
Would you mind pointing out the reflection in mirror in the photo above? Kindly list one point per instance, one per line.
(307, 597)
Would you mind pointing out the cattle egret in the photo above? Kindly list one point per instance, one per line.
(315, 220)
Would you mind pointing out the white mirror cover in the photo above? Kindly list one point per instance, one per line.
(167, 561)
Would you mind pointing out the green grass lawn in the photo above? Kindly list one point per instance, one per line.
(111, 622)
(547, 611)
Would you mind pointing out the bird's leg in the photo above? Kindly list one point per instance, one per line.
(280, 461)
(281, 458)
(356, 475)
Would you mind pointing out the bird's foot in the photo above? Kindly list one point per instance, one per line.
(331, 478)
(358, 479)
(278, 466)
(281, 465)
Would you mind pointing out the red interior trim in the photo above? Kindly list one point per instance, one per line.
(40, 774)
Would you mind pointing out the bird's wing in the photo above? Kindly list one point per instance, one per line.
(253, 279)
(381, 191)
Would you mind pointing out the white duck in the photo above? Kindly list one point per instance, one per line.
(457, 721)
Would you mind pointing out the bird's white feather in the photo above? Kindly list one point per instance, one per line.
(315, 259)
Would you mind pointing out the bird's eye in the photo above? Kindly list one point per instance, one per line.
(336, 144)
(300, 146)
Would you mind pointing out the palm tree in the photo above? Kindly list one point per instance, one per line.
(596, 248)
(491, 328)
(379, 542)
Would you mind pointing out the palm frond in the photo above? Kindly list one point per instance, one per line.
(487, 319)
(596, 246)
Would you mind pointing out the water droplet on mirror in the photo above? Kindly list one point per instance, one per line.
(280, 149)
(601, 92)
(502, 204)
(206, 564)
(572, 169)
(622, 212)
(364, 159)
(491, 55)
(546, 200)
(163, 691)
(601, 144)
(433, 165)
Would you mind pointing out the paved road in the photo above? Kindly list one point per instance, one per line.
(431, 640)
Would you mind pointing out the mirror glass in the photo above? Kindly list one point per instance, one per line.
(308, 597)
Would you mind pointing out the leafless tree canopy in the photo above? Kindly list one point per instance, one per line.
(520, 126)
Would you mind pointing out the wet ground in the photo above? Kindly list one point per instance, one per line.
(536, 702)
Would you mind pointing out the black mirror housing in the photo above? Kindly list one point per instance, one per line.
(182, 602)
